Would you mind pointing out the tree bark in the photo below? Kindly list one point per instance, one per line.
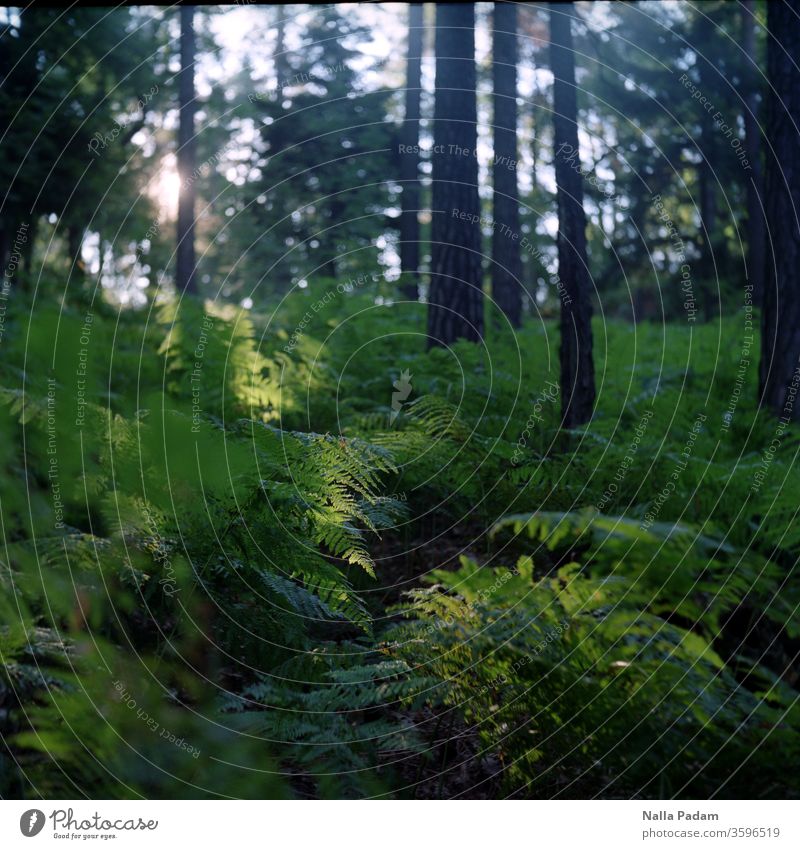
(74, 245)
(409, 159)
(329, 268)
(455, 308)
(780, 337)
(756, 226)
(26, 259)
(704, 34)
(281, 61)
(534, 136)
(577, 366)
(185, 278)
(506, 258)
(5, 248)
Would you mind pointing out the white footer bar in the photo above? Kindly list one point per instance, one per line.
(402, 825)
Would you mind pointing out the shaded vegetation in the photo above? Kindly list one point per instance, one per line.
(217, 579)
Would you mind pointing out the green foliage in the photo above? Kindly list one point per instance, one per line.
(199, 608)
(676, 569)
(583, 691)
(656, 62)
(298, 217)
(70, 107)
(339, 716)
(164, 528)
(202, 505)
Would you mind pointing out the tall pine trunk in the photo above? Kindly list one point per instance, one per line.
(708, 79)
(26, 259)
(5, 247)
(74, 248)
(780, 338)
(756, 226)
(409, 158)
(281, 61)
(185, 273)
(577, 366)
(506, 258)
(455, 300)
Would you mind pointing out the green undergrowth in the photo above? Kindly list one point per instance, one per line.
(193, 498)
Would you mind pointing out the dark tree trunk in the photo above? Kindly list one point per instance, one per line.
(708, 203)
(708, 80)
(577, 366)
(14, 250)
(409, 158)
(506, 258)
(456, 293)
(534, 137)
(281, 59)
(5, 247)
(704, 35)
(780, 352)
(185, 274)
(26, 259)
(756, 226)
(74, 245)
(329, 268)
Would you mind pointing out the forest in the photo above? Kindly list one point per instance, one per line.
(399, 401)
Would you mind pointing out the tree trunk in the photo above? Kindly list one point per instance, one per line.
(780, 338)
(185, 280)
(534, 137)
(5, 247)
(455, 307)
(506, 258)
(26, 259)
(708, 80)
(409, 158)
(577, 366)
(756, 226)
(329, 268)
(74, 245)
(281, 61)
